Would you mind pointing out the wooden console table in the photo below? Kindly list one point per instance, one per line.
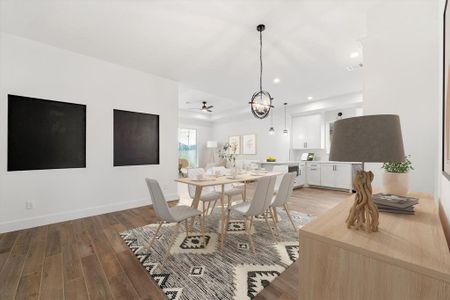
(407, 259)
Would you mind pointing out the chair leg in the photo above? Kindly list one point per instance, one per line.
(174, 237)
(252, 245)
(289, 216)
(155, 235)
(213, 206)
(227, 221)
(209, 204)
(222, 217)
(274, 223)
(202, 228)
(243, 196)
(275, 215)
(186, 222)
(270, 227)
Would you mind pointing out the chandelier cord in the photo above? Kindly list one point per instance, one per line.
(260, 61)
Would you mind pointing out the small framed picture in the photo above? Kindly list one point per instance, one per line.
(249, 144)
(236, 141)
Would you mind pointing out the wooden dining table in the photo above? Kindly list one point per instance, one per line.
(212, 180)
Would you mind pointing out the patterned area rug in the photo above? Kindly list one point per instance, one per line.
(197, 272)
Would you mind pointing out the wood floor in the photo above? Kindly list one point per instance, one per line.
(86, 259)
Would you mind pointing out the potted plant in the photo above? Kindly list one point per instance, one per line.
(228, 153)
(396, 177)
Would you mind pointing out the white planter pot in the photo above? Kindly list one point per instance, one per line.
(396, 183)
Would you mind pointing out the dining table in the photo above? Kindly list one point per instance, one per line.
(222, 180)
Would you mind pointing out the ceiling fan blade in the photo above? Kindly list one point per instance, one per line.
(209, 110)
(209, 107)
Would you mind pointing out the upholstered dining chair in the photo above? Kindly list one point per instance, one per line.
(176, 214)
(208, 195)
(230, 190)
(282, 197)
(279, 169)
(258, 206)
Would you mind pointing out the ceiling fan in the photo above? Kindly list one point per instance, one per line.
(205, 108)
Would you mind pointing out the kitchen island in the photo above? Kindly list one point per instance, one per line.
(325, 174)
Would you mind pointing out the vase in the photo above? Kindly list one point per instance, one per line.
(396, 183)
(234, 172)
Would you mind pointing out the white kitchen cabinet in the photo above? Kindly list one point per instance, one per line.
(307, 132)
(313, 174)
(343, 176)
(327, 175)
(336, 175)
(300, 180)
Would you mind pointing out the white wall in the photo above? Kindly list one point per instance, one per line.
(400, 77)
(204, 134)
(33, 69)
(443, 182)
(278, 144)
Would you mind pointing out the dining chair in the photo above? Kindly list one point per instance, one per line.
(279, 169)
(208, 195)
(258, 206)
(282, 197)
(176, 214)
(230, 190)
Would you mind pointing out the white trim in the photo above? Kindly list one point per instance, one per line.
(76, 214)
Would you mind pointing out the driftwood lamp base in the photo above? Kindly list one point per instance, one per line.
(364, 213)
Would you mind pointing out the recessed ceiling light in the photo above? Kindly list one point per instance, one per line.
(276, 80)
(310, 98)
(354, 54)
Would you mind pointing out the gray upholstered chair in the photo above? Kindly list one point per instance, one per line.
(230, 190)
(167, 214)
(282, 197)
(258, 206)
(208, 195)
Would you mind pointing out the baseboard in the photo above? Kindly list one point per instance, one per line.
(75, 214)
(445, 224)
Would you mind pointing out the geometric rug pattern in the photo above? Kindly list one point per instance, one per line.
(194, 271)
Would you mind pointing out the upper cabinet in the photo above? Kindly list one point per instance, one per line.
(307, 132)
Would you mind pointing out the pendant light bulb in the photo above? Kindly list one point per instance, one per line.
(271, 129)
(285, 131)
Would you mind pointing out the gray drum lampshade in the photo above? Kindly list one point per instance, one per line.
(373, 138)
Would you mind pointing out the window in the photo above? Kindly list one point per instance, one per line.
(187, 145)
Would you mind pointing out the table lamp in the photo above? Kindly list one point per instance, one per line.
(373, 138)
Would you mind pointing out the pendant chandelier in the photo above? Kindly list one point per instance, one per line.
(285, 131)
(261, 102)
(271, 129)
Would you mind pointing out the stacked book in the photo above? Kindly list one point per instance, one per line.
(395, 204)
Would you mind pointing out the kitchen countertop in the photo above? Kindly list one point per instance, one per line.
(310, 161)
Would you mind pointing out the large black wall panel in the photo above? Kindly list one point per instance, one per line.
(45, 134)
(136, 138)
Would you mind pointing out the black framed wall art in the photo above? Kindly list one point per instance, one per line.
(45, 134)
(136, 138)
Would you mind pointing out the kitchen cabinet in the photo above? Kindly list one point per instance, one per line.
(307, 132)
(313, 174)
(336, 175)
(300, 179)
(327, 175)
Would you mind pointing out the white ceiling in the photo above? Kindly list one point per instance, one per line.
(210, 46)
